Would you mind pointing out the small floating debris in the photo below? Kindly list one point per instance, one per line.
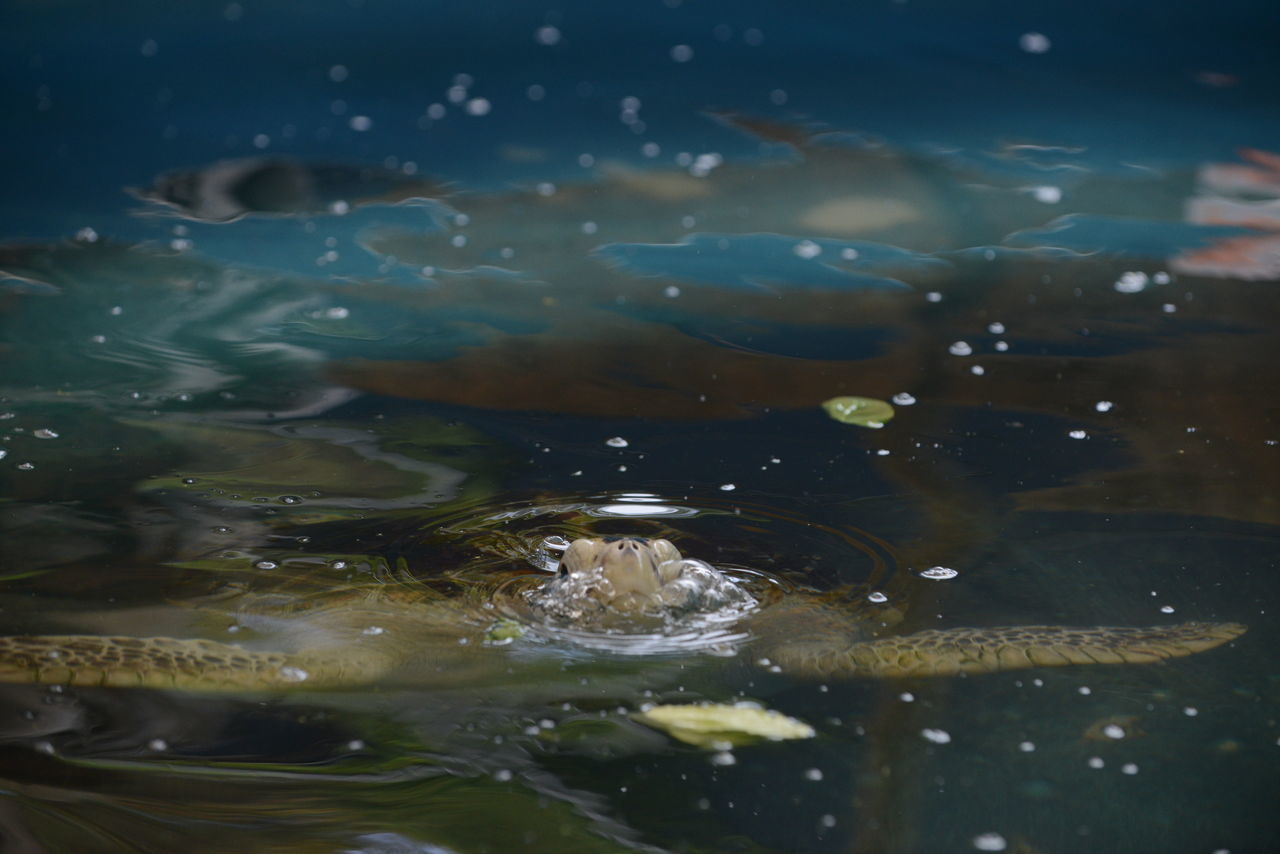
(714, 725)
(861, 411)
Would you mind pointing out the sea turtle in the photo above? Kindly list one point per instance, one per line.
(607, 592)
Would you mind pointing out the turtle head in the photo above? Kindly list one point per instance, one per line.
(611, 583)
(620, 573)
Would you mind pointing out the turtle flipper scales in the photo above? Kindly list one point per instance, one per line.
(199, 665)
(946, 652)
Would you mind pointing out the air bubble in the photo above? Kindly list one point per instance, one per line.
(1131, 282)
(266, 564)
(1034, 42)
(877, 597)
(990, 842)
(937, 736)
(960, 348)
(807, 249)
(938, 573)
(617, 442)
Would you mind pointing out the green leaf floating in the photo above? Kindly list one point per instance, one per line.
(720, 725)
(504, 631)
(863, 411)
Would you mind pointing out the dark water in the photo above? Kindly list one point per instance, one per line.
(402, 290)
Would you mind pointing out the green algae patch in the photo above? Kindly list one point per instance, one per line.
(721, 725)
(862, 411)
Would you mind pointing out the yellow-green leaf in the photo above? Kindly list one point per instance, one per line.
(504, 631)
(862, 411)
(720, 725)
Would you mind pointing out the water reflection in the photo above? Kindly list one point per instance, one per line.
(231, 189)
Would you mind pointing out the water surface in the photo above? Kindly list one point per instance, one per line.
(370, 303)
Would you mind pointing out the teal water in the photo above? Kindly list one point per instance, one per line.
(398, 294)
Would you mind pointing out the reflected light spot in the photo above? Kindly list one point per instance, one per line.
(640, 510)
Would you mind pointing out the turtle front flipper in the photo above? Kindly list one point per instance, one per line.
(193, 665)
(947, 652)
